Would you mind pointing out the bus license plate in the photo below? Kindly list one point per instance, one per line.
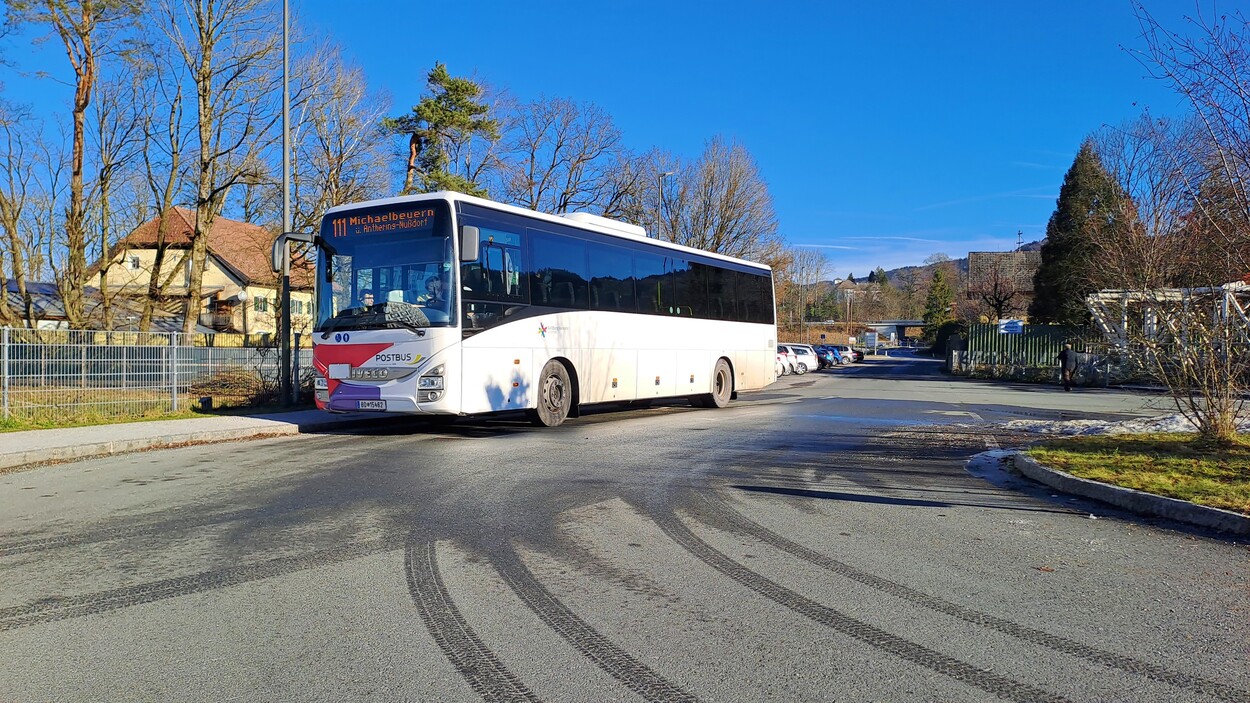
(372, 404)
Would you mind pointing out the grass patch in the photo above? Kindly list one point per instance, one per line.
(15, 424)
(1172, 465)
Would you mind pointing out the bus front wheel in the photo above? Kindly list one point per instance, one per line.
(555, 395)
(722, 388)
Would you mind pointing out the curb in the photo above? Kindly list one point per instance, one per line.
(48, 455)
(1132, 499)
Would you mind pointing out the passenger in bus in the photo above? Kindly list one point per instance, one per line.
(366, 297)
(434, 296)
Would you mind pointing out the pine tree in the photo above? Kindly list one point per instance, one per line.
(881, 278)
(937, 306)
(441, 129)
(1089, 203)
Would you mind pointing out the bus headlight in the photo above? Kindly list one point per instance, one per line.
(432, 380)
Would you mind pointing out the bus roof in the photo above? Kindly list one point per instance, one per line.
(622, 230)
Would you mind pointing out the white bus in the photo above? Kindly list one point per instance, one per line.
(448, 305)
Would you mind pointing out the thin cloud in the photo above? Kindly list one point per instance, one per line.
(828, 246)
(899, 239)
(1047, 192)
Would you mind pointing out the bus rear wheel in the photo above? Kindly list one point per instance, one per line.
(555, 395)
(722, 388)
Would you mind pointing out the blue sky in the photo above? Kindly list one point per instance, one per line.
(886, 131)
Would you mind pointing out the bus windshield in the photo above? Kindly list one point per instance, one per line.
(386, 267)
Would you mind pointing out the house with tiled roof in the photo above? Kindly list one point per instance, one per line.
(239, 292)
(47, 310)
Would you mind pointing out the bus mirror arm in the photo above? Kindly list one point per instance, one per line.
(280, 246)
(470, 239)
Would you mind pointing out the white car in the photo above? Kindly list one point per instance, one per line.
(791, 359)
(807, 359)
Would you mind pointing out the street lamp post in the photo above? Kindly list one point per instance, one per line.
(660, 180)
(287, 383)
(848, 317)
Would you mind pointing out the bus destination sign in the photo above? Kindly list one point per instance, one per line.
(355, 224)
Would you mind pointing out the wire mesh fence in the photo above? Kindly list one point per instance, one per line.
(64, 375)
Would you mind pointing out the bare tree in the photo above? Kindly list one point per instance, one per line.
(118, 135)
(1151, 161)
(1210, 67)
(807, 266)
(164, 139)
(230, 53)
(338, 144)
(627, 179)
(1000, 292)
(722, 204)
(1190, 221)
(1000, 282)
(560, 155)
(15, 185)
(88, 30)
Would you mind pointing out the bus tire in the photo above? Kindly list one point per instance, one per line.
(722, 388)
(555, 395)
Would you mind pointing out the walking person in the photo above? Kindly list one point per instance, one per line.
(1067, 365)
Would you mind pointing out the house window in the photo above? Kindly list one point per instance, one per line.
(133, 263)
(260, 304)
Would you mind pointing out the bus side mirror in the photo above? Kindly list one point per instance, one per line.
(279, 251)
(470, 240)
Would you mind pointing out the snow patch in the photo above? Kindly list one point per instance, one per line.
(1140, 425)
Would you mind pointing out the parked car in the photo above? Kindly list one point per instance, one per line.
(792, 360)
(783, 365)
(827, 356)
(847, 353)
(807, 359)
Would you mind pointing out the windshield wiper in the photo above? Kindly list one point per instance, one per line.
(384, 315)
(337, 321)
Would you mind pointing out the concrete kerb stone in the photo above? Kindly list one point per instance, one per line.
(1131, 499)
(88, 450)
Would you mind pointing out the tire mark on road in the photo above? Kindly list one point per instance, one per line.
(585, 639)
(1000, 686)
(460, 644)
(93, 534)
(740, 524)
(62, 608)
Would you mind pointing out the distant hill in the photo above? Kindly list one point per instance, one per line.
(925, 272)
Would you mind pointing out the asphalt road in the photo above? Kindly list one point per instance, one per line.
(824, 540)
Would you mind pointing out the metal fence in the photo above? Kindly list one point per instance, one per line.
(1032, 354)
(58, 375)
